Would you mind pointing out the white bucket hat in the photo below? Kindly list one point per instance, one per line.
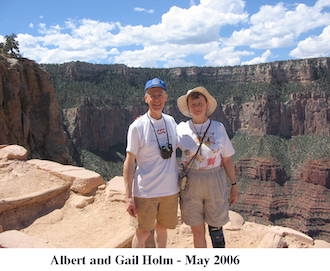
(183, 102)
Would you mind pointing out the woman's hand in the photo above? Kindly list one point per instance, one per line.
(233, 194)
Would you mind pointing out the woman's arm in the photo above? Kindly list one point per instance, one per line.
(230, 170)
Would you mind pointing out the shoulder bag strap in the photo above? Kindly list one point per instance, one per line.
(200, 145)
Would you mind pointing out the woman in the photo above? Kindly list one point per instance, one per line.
(205, 199)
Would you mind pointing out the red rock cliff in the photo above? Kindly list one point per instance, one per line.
(303, 114)
(29, 110)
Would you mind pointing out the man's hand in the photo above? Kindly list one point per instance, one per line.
(130, 207)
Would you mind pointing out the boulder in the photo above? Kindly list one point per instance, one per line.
(321, 244)
(283, 231)
(235, 222)
(82, 181)
(272, 240)
(16, 239)
(115, 189)
(81, 201)
(12, 152)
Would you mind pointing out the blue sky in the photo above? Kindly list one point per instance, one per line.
(168, 33)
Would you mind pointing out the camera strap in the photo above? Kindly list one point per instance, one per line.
(168, 141)
(200, 145)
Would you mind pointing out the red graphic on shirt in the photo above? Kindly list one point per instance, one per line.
(161, 131)
(211, 161)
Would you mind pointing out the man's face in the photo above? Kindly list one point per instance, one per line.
(156, 98)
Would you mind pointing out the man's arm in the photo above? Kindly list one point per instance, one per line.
(129, 168)
(230, 170)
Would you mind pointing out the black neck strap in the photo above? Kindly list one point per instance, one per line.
(168, 141)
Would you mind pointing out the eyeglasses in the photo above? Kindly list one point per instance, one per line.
(156, 96)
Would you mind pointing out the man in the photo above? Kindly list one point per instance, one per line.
(152, 190)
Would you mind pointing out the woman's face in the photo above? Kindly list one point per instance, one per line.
(197, 106)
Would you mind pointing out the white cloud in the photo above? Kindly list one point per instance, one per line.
(27, 43)
(263, 59)
(224, 6)
(31, 25)
(168, 53)
(197, 30)
(277, 26)
(52, 30)
(225, 57)
(315, 46)
(45, 55)
(199, 24)
(178, 63)
(181, 32)
(144, 10)
(192, 3)
(139, 58)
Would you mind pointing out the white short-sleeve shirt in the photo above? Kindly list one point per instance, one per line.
(216, 144)
(154, 176)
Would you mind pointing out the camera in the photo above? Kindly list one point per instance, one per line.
(166, 153)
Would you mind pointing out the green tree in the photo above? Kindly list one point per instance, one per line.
(10, 46)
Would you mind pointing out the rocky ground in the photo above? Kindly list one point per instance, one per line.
(99, 219)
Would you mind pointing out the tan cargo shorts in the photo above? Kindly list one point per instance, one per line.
(206, 198)
(163, 210)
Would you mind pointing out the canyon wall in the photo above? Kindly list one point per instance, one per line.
(303, 114)
(270, 191)
(303, 70)
(29, 111)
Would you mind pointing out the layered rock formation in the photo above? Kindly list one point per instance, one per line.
(29, 110)
(303, 114)
(32, 188)
(269, 191)
(303, 70)
(317, 172)
(109, 124)
(261, 169)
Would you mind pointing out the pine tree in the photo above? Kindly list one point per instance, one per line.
(10, 46)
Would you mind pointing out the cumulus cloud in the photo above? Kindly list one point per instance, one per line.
(181, 32)
(225, 57)
(263, 59)
(168, 53)
(178, 63)
(277, 26)
(315, 46)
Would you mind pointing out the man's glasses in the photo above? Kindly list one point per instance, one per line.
(156, 96)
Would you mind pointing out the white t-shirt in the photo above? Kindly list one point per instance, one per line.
(154, 175)
(216, 144)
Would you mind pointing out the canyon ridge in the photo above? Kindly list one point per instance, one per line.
(282, 155)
